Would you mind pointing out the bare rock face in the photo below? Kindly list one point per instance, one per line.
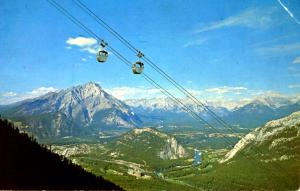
(277, 135)
(152, 143)
(172, 150)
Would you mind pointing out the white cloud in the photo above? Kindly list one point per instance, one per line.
(289, 12)
(85, 44)
(83, 59)
(291, 86)
(81, 41)
(296, 60)
(279, 49)
(40, 91)
(226, 89)
(8, 94)
(92, 50)
(125, 92)
(195, 92)
(253, 18)
(12, 97)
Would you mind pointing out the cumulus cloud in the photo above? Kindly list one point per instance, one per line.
(126, 92)
(12, 97)
(296, 60)
(81, 41)
(40, 91)
(85, 44)
(92, 50)
(226, 89)
(195, 92)
(8, 94)
(251, 18)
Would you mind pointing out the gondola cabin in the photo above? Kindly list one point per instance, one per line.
(102, 56)
(138, 67)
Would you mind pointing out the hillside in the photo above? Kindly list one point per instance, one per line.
(24, 164)
(268, 158)
(276, 140)
(148, 144)
(78, 111)
(133, 160)
(145, 147)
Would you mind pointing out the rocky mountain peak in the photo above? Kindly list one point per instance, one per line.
(273, 100)
(86, 90)
(82, 106)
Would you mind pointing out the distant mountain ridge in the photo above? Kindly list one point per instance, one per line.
(272, 100)
(165, 109)
(88, 110)
(249, 114)
(260, 111)
(80, 110)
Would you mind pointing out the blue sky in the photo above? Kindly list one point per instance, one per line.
(222, 49)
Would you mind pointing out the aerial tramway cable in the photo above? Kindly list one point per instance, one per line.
(152, 64)
(150, 80)
(122, 58)
(158, 69)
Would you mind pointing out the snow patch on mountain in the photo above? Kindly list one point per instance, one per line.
(168, 105)
(272, 100)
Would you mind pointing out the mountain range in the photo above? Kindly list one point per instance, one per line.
(88, 110)
(249, 114)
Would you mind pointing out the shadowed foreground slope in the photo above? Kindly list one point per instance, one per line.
(24, 164)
